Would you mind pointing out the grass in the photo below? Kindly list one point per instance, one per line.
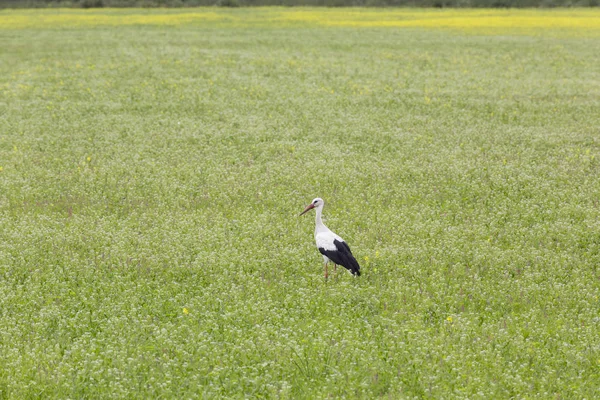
(151, 177)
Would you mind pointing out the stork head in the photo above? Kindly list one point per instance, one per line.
(318, 202)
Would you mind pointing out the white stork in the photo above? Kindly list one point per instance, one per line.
(332, 247)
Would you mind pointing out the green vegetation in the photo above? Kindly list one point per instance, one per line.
(151, 179)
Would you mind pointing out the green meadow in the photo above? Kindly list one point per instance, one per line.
(151, 177)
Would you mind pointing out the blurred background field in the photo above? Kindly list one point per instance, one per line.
(153, 164)
(296, 3)
(564, 22)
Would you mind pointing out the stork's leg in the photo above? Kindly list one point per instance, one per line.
(326, 274)
(334, 267)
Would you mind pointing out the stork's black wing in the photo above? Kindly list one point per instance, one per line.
(342, 256)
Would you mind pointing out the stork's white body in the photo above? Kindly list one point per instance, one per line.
(324, 237)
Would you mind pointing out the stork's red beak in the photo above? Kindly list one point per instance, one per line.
(308, 207)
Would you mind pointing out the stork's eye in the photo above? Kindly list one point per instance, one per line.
(315, 202)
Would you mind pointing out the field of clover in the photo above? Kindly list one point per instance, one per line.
(153, 164)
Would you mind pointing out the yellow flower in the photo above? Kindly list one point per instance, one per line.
(366, 258)
(1, 169)
(449, 319)
(186, 311)
(572, 22)
(89, 159)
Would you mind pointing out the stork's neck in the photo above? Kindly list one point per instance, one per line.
(319, 225)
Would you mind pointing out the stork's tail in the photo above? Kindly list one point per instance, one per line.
(354, 267)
